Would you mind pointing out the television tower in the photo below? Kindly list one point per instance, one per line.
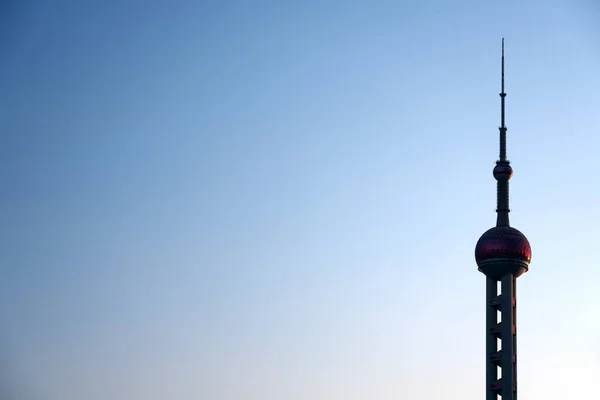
(502, 254)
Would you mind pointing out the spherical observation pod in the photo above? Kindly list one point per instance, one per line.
(501, 250)
(503, 171)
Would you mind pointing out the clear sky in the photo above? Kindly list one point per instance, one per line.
(227, 200)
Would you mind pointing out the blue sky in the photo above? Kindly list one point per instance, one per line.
(280, 200)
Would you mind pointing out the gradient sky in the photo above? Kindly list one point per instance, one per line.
(267, 200)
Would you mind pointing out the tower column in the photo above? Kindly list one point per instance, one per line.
(502, 191)
(491, 345)
(514, 318)
(508, 335)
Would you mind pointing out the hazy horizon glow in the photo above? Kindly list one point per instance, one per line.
(280, 200)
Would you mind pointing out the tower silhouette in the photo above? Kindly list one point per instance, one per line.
(502, 254)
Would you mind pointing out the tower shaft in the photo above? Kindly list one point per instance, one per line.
(504, 332)
(491, 341)
(502, 204)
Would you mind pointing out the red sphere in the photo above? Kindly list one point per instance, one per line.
(503, 249)
(503, 172)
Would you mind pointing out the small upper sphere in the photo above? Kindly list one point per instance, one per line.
(503, 172)
(503, 249)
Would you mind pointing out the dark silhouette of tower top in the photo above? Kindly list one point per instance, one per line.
(502, 254)
(503, 248)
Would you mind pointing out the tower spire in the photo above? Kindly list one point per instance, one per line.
(503, 170)
(502, 124)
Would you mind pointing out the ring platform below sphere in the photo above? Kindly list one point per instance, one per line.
(501, 250)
